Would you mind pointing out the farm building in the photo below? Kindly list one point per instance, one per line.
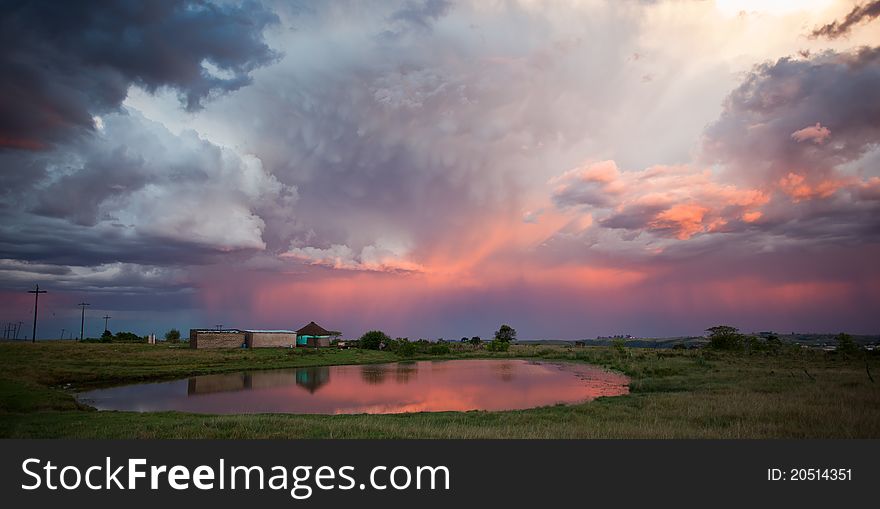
(270, 338)
(314, 335)
(216, 338)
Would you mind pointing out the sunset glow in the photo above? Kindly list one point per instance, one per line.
(435, 168)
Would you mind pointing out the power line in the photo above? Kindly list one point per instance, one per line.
(36, 293)
(82, 323)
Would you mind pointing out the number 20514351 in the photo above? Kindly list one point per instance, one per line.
(809, 474)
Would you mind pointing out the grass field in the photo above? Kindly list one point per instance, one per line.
(797, 393)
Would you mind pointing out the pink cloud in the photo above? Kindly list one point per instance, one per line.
(670, 201)
(815, 133)
(799, 188)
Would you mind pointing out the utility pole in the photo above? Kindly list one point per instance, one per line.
(62, 333)
(36, 293)
(18, 329)
(219, 326)
(82, 322)
(106, 318)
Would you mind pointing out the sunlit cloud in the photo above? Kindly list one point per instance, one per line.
(435, 167)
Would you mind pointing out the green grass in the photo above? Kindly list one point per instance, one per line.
(674, 394)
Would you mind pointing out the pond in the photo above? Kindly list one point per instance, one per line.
(423, 386)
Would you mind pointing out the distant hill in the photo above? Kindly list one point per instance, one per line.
(817, 340)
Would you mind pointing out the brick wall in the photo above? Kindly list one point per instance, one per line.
(270, 339)
(202, 339)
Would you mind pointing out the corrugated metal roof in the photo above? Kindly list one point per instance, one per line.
(271, 331)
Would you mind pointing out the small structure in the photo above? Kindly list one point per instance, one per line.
(313, 335)
(270, 338)
(216, 338)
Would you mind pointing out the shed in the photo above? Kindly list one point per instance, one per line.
(313, 335)
(257, 338)
(216, 338)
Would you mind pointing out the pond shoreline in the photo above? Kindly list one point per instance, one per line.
(673, 393)
(434, 385)
(121, 382)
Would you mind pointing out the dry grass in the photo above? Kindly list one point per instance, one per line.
(675, 394)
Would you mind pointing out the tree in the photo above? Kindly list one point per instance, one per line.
(172, 335)
(373, 340)
(505, 334)
(476, 340)
(774, 343)
(845, 343)
(497, 345)
(725, 337)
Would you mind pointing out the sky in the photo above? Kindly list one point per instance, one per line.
(435, 168)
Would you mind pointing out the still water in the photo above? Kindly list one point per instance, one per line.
(424, 386)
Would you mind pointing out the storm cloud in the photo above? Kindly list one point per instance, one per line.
(792, 160)
(64, 62)
(435, 167)
(135, 188)
(860, 13)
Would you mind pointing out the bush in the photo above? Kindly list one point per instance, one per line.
(619, 346)
(119, 337)
(373, 340)
(725, 337)
(845, 343)
(172, 336)
(498, 346)
(402, 347)
(406, 349)
(438, 349)
(754, 344)
(774, 343)
(128, 337)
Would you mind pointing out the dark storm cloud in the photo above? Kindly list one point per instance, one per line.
(112, 277)
(840, 91)
(412, 146)
(864, 12)
(57, 242)
(796, 147)
(135, 194)
(63, 62)
(78, 196)
(809, 130)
